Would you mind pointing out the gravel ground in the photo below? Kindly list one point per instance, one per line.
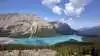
(40, 52)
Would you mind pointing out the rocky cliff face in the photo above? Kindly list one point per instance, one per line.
(63, 28)
(26, 24)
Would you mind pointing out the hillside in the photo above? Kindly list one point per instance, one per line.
(63, 28)
(20, 24)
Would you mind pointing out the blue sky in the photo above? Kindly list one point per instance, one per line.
(88, 17)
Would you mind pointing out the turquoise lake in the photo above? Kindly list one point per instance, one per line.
(47, 40)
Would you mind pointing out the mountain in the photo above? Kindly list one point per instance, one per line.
(20, 24)
(25, 25)
(63, 28)
(93, 31)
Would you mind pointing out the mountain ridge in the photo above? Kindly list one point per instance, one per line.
(93, 31)
(24, 24)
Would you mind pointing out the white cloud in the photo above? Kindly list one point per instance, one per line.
(75, 7)
(69, 21)
(53, 5)
(48, 19)
(50, 3)
(69, 9)
(80, 3)
(62, 20)
(79, 11)
(57, 10)
(45, 18)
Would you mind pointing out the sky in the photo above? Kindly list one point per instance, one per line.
(76, 13)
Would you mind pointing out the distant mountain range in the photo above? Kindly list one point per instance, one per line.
(67, 30)
(93, 31)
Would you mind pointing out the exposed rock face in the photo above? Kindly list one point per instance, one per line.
(63, 28)
(21, 24)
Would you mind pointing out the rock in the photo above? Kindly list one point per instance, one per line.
(63, 28)
(11, 53)
(26, 24)
(40, 52)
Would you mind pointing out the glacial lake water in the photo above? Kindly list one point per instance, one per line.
(47, 40)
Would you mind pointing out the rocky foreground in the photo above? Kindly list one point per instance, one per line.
(40, 52)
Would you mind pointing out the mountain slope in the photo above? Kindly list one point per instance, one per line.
(94, 31)
(26, 24)
(63, 28)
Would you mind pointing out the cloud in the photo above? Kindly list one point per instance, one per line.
(64, 20)
(69, 9)
(50, 3)
(72, 8)
(75, 7)
(53, 5)
(57, 10)
(45, 18)
(69, 21)
(80, 3)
